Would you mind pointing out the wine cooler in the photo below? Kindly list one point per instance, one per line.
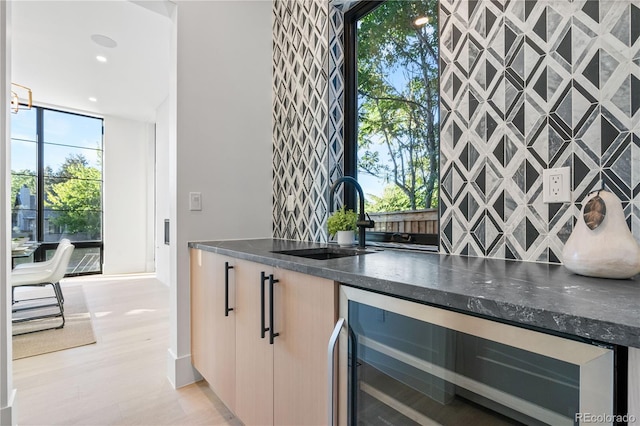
(413, 364)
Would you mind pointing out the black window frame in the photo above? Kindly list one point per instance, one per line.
(350, 156)
(40, 253)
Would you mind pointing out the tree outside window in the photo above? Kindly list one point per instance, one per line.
(398, 106)
(56, 184)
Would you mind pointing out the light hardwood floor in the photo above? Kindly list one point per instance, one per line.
(120, 380)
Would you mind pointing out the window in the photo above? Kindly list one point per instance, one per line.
(56, 184)
(392, 117)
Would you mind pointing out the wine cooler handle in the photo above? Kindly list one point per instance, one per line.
(272, 335)
(227, 309)
(263, 278)
(331, 376)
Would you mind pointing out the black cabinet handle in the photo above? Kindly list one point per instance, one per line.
(263, 278)
(272, 335)
(227, 309)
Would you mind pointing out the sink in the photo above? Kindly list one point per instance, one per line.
(325, 253)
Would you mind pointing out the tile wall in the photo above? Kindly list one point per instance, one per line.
(525, 85)
(529, 85)
(300, 119)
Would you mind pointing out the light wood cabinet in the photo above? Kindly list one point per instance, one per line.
(254, 362)
(305, 308)
(283, 383)
(213, 334)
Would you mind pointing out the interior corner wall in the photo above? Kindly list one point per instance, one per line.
(7, 393)
(301, 152)
(128, 165)
(223, 140)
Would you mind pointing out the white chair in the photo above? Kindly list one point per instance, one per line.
(42, 278)
(41, 266)
(47, 263)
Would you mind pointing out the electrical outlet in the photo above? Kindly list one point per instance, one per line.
(556, 185)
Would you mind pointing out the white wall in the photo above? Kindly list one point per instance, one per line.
(128, 181)
(7, 393)
(162, 191)
(223, 141)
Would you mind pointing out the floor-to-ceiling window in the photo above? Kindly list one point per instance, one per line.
(56, 184)
(392, 141)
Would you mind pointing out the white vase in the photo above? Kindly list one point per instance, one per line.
(345, 238)
(605, 250)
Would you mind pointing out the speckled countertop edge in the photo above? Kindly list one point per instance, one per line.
(536, 295)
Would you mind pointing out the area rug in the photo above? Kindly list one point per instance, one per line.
(77, 331)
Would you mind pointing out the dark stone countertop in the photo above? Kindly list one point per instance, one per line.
(535, 295)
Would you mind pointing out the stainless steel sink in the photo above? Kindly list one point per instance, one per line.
(324, 253)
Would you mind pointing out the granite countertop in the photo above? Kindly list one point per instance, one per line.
(536, 295)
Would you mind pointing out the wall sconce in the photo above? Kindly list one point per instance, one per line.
(15, 99)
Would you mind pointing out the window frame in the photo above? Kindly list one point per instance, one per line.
(41, 252)
(350, 150)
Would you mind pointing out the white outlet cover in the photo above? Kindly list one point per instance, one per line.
(563, 195)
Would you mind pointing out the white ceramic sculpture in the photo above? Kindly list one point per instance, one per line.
(601, 244)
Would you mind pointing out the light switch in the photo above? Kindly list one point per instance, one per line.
(195, 201)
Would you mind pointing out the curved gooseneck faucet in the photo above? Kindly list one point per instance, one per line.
(362, 222)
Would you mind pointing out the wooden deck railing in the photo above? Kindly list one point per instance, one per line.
(415, 221)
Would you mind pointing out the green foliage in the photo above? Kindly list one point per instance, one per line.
(76, 197)
(20, 179)
(342, 220)
(393, 199)
(74, 192)
(398, 100)
(71, 164)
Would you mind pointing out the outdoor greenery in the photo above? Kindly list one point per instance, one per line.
(398, 103)
(74, 192)
(342, 220)
(76, 196)
(20, 179)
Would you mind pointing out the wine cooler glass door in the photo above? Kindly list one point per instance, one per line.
(416, 364)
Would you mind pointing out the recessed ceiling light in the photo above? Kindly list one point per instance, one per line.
(101, 58)
(92, 99)
(104, 41)
(423, 20)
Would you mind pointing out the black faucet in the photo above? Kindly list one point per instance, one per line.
(362, 223)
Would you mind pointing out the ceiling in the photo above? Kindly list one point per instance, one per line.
(54, 55)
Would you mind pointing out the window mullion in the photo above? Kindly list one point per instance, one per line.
(40, 175)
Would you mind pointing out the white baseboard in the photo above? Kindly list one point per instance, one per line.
(7, 417)
(180, 371)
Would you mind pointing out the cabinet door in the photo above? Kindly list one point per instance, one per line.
(305, 312)
(202, 275)
(212, 333)
(254, 361)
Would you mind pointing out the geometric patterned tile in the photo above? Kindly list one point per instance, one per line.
(524, 86)
(302, 119)
(558, 84)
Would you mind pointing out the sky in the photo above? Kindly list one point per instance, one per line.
(64, 134)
